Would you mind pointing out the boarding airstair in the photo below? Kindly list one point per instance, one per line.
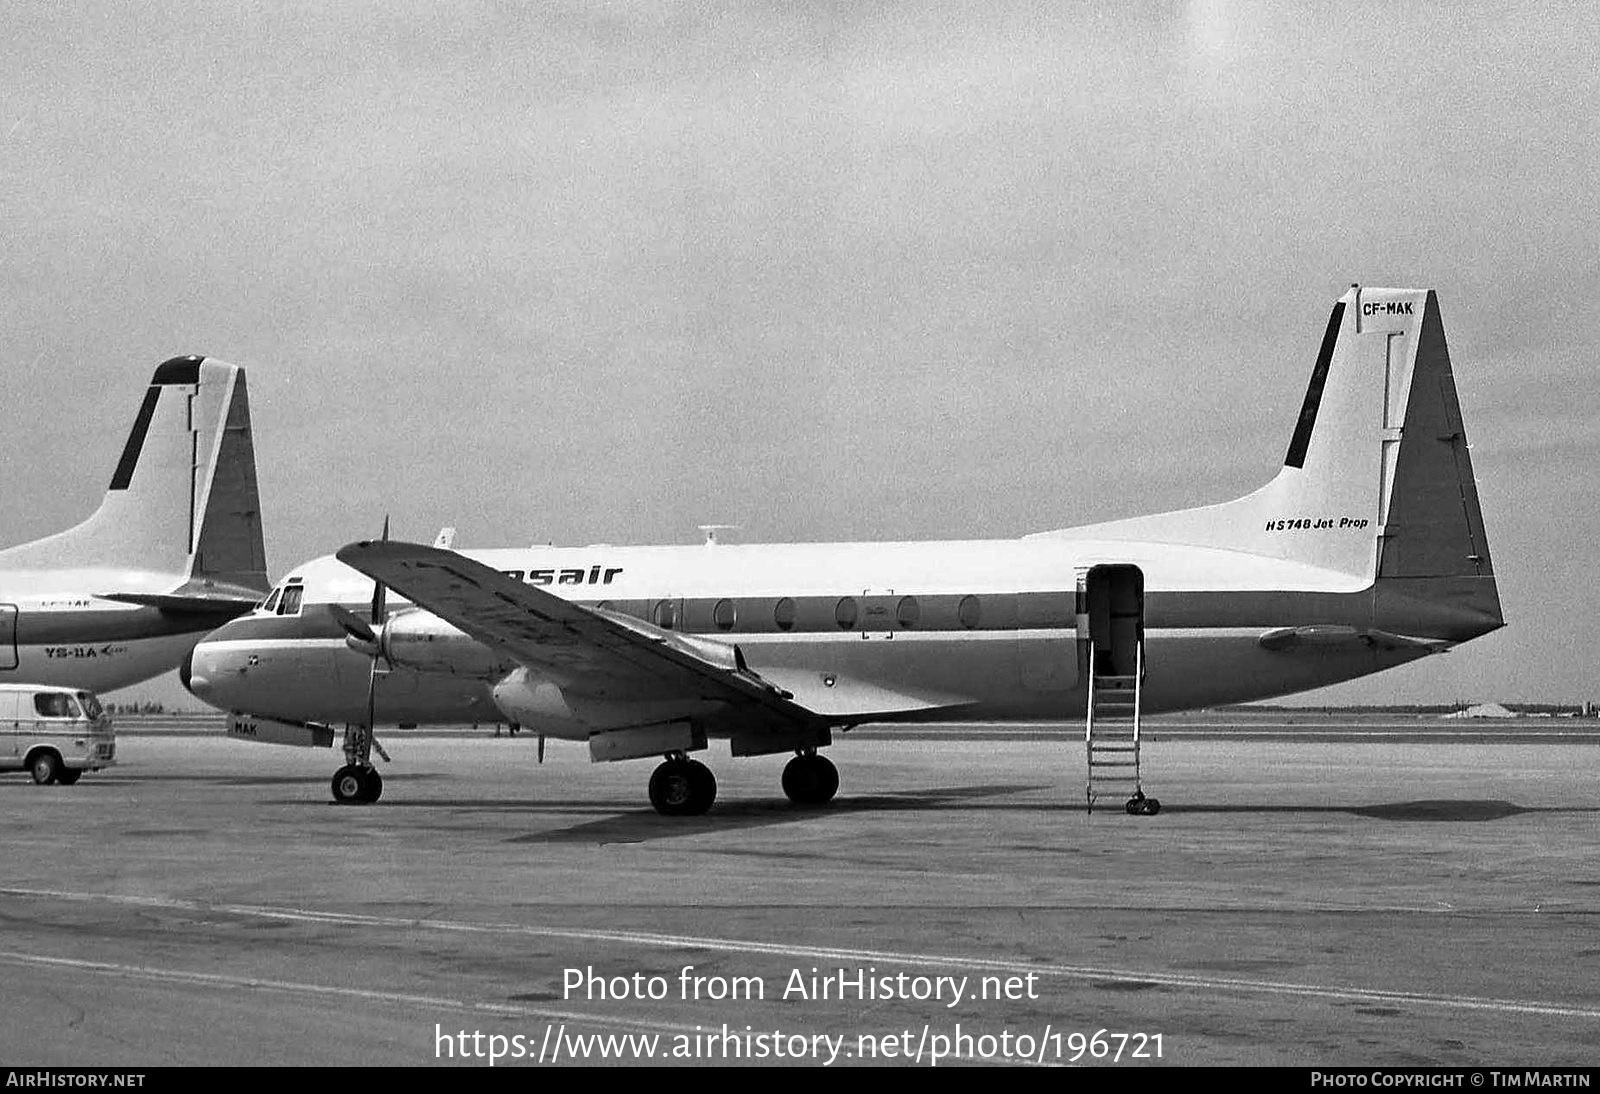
(1112, 622)
(1111, 735)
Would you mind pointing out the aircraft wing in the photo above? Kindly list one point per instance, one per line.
(602, 654)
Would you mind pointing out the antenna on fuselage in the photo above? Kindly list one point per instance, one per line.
(710, 532)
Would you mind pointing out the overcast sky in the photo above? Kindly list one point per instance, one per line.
(604, 272)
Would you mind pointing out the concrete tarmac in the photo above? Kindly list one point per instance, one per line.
(1359, 902)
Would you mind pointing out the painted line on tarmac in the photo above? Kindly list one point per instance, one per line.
(1180, 981)
(223, 980)
(700, 1033)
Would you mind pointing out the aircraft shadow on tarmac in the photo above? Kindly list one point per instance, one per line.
(638, 825)
(241, 780)
(641, 825)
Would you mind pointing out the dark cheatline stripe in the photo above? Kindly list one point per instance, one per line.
(1319, 377)
(91, 627)
(179, 370)
(1423, 609)
(130, 452)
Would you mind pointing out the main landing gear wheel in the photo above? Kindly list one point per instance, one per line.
(810, 779)
(1141, 806)
(353, 785)
(682, 788)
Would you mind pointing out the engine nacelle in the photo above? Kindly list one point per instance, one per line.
(537, 703)
(529, 700)
(424, 642)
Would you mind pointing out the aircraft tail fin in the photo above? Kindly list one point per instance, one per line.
(183, 496)
(1377, 484)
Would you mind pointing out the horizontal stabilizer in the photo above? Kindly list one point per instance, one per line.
(1332, 635)
(227, 605)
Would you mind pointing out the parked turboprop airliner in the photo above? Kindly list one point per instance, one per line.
(173, 551)
(1367, 550)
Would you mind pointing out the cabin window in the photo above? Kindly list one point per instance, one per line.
(290, 604)
(724, 615)
(783, 614)
(969, 612)
(666, 615)
(845, 613)
(908, 613)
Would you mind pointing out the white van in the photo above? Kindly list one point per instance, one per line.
(54, 734)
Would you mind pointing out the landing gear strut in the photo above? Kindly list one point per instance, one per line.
(358, 782)
(682, 787)
(810, 779)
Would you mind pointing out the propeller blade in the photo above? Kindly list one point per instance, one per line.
(380, 591)
(541, 747)
(355, 628)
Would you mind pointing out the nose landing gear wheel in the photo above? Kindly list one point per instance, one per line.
(810, 779)
(682, 788)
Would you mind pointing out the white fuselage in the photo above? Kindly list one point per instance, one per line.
(55, 630)
(971, 630)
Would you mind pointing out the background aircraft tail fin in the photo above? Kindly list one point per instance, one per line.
(183, 496)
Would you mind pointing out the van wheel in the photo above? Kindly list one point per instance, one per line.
(69, 775)
(45, 767)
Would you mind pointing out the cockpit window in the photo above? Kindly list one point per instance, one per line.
(290, 604)
(55, 705)
(271, 602)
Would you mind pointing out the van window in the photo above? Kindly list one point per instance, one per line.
(53, 704)
(91, 706)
